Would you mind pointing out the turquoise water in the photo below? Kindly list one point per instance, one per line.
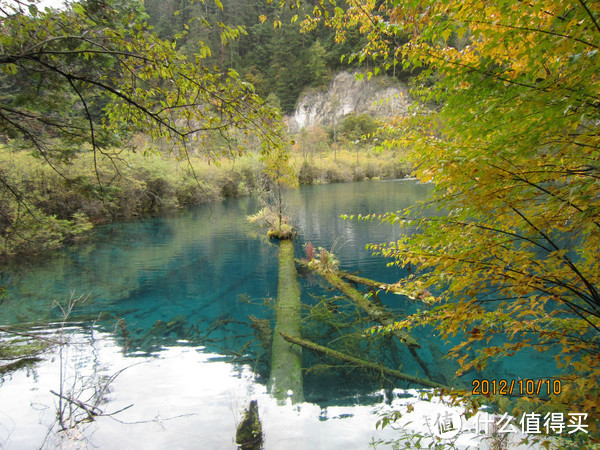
(195, 276)
(201, 263)
(198, 274)
(190, 280)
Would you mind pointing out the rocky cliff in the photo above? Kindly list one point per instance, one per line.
(378, 97)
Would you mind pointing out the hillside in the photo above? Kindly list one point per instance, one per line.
(379, 97)
(280, 61)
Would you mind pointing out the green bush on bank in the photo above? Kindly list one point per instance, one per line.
(48, 206)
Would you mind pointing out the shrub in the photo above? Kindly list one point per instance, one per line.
(308, 173)
(359, 173)
(229, 184)
(339, 174)
(371, 170)
(190, 192)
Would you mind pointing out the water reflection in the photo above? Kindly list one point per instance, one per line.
(181, 398)
(169, 299)
(202, 263)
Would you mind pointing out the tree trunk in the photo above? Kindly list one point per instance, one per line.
(368, 282)
(376, 313)
(286, 358)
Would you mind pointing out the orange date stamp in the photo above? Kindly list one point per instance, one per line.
(517, 387)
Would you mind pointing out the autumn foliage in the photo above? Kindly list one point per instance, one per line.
(507, 128)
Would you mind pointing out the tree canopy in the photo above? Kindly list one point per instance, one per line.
(274, 55)
(95, 71)
(86, 77)
(507, 129)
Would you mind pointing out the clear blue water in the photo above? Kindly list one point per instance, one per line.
(194, 277)
(165, 280)
(185, 284)
(199, 262)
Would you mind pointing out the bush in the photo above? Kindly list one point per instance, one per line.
(229, 183)
(371, 170)
(190, 192)
(308, 173)
(160, 194)
(339, 174)
(359, 173)
(35, 232)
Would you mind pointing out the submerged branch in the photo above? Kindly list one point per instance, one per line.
(361, 362)
(376, 313)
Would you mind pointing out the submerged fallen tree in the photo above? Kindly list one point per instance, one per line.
(396, 288)
(285, 380)
(375, 312)
(286, 358)
(326, 266)
(361, 362)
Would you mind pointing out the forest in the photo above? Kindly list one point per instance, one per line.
(111, 110)
(86, 166)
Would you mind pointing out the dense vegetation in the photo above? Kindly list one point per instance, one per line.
(87, 90)
(510, 138)
(506, 127)
(276, 56)
(76, 85)
(277, 60)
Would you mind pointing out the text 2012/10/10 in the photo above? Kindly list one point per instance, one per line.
(517, 387)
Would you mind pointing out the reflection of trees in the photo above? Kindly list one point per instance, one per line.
(334, 200)
(125, 262)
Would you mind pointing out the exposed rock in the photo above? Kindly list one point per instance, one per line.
(378, 97)
(249, 433)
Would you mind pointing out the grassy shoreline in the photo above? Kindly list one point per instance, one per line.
(63, 203)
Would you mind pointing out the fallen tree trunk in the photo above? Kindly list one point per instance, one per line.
(423, 296)
(366, 281)
(286, 358)
(361, 362)
(371, 283)
(376, 313)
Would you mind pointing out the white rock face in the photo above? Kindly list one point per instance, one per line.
(378, 97)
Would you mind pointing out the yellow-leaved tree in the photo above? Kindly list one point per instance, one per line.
(507, 127)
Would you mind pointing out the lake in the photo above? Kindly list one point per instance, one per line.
(160, 311)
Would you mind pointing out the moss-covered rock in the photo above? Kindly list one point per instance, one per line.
(249, 432)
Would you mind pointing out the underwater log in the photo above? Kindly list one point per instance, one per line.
(286, 358)
(362, 363)
(376, 313)
(423, 295)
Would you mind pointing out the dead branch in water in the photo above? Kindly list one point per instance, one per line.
(361, 362)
